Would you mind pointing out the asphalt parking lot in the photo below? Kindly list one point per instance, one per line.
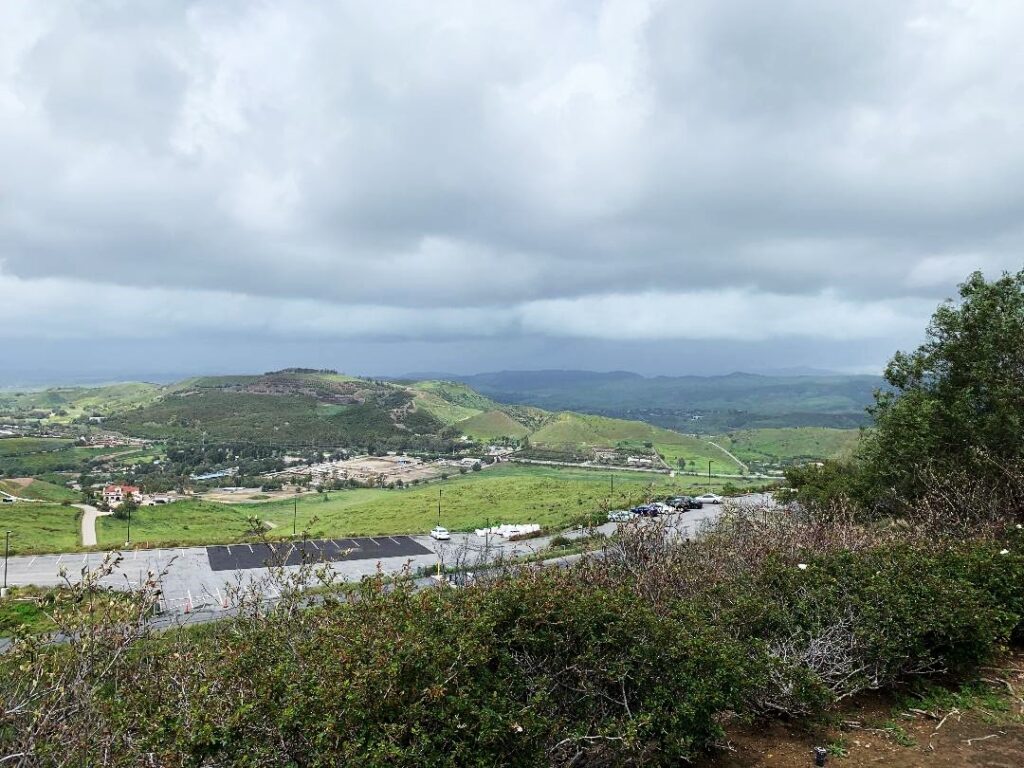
(236, 557)
(195, 578)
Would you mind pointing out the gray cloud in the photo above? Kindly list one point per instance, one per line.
(532, 169)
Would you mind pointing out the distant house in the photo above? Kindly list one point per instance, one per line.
(115, 494)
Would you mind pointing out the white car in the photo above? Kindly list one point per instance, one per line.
(710, 498)
(441, 534)
(620, 516)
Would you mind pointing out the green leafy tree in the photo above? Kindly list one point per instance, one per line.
(126, 507)
(956, 403)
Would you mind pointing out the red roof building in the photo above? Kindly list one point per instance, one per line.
(115, 494)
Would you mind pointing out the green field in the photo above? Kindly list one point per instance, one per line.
(508, 494)
(21, 446)
(41, 527)
(788, 445)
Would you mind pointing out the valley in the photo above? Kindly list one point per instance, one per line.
(337, 455)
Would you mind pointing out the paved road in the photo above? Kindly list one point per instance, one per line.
(89, 515)
(196, 578)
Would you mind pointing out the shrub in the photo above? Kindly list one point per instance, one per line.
(634, 658)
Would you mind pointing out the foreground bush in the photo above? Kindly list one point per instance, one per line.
(590, 666)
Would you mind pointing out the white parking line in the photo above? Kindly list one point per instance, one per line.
(375, 541)
(30, 562)
(250, 548)
(393, 540)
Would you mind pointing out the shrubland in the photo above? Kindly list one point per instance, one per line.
(641, 654)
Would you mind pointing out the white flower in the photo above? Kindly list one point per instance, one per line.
(1004, 552)
(802, 566)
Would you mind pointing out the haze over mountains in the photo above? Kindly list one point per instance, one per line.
(707, 404)
(688, 403)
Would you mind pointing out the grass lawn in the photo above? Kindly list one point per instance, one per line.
(508, 494)
(40, 527)
(182, 523)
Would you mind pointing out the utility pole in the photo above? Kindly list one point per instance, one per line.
(295, 514)
(709, 474)
(438, 506)
(7, 553)
(613, 484)
(129, 539)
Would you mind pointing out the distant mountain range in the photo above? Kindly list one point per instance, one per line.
(708, 404)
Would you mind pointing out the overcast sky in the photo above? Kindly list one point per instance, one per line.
(380, 187)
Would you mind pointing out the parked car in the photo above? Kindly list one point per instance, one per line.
(710, 498)
(646, 510)
(620, 516)
(684, 503)
(441, 534)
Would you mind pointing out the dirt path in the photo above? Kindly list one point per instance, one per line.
(985, 728)
(89, 515)
(744, 467)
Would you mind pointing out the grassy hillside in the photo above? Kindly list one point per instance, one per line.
(296, 408)
(455, 394)
(22, 446)
(492, 425)
(63, 405)
(71, 458)
(41, 527)
(784, 446)
(599, 431)
(690, 403)
(442, 410)
(28, 488)
(283, 408)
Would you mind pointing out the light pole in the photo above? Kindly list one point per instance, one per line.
(439, 506)
(129, 539)
(295, 514)
(709, 475)
(7, 553)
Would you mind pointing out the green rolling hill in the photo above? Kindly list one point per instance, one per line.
(323, 409)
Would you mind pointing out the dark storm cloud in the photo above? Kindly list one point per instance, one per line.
(477, 170)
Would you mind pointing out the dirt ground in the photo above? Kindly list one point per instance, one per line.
(19, 482)
(980, 729)
(248, 495)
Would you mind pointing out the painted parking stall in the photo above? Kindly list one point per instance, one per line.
(236, 557)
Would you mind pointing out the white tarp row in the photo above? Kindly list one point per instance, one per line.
(508, 530)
